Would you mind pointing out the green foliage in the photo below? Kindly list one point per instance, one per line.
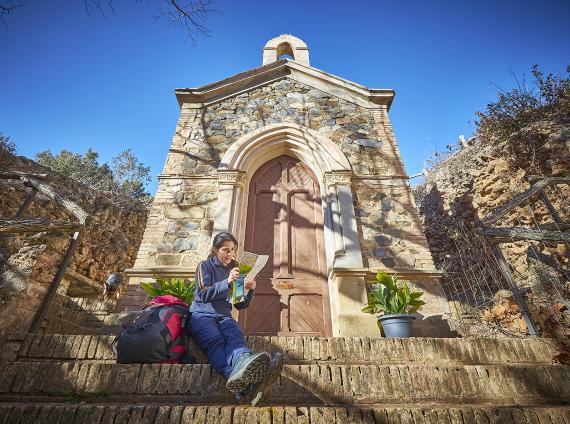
(6, 143)
(548, 96)
(178, 287)
(126, 175)
(390, 299)
(130, 175)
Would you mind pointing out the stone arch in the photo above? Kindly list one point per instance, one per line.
(286, 44)
(331, 167)
(284, 48)
(254, 149)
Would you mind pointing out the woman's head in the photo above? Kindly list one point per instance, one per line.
(224, 246)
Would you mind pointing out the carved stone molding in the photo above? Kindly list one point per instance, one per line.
(232, 178)
(334, 178)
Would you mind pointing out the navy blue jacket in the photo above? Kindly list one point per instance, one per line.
(212, 289)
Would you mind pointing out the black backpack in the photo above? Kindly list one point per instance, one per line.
(159, 334)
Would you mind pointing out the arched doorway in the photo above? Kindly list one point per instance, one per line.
(285, 221)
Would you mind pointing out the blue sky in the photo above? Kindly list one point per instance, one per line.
(71, 81)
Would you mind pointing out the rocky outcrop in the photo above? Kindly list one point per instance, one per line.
(477, 179)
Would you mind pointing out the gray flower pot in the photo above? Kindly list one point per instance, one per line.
(399, 325)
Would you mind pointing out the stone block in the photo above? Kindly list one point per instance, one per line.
(164, 248)
(383, 240)
(386, 204)
(367, 142)
(380, 253)
(184, 212)
(360, 213)
(166, 259)
(183, 244)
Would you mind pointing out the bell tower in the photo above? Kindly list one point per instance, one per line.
(286, 45)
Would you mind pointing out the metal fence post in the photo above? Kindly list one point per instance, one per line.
(52, 290)
(504, 267)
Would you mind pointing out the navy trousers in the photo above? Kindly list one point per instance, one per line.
(221, 338)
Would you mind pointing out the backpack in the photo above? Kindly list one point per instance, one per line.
(158, 334)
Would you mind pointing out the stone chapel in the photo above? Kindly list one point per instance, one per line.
(303, 166)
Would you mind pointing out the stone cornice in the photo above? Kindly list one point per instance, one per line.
(338, 177)
(245, 81)
(231, 177)
(163, 271)
(186, 177)
(369, 274)
(359, 177)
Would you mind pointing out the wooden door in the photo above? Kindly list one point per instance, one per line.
(285, 221)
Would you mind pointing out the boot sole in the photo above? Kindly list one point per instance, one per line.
(255, 372)
(274, 373)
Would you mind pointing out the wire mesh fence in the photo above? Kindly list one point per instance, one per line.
(517, 284)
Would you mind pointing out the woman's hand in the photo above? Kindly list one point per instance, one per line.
(234, 274)
(250, 285)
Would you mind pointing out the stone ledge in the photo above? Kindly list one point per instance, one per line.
(164, 271)
(339, 350)
(404, 273)
(298, 384)
(149, 414)
(61, 413)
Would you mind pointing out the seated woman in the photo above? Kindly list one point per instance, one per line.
(212, 325)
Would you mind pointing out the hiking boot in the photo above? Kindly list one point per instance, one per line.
(256, 391)
(249, 369)
(262, 388)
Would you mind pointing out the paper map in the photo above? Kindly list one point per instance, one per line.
(250, 265)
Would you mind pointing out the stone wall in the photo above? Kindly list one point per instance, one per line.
(207, 135)
(29, 261)
(180, 223)
(477, 179)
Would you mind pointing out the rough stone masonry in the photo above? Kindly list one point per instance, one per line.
(183, 215)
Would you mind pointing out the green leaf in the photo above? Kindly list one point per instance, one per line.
(416, 295)
(417, 305)
(406, 293)
(149, 289)
(388, 298)
(177, 287)
(383, 278)
(159, 280)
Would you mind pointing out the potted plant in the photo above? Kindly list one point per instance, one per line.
(177, 287)
(394, 305)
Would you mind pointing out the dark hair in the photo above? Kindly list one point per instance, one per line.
(219, 239)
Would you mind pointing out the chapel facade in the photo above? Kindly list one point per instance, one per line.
(303, 166)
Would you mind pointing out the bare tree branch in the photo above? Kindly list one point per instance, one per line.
(191, 15)
(97, 5)
(7, 7)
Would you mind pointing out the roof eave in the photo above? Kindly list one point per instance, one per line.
(263, 75)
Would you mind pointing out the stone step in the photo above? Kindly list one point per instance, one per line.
(305, 350)
(298, 384)
(161, 414)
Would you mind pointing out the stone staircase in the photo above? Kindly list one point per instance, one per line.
(74, 379)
